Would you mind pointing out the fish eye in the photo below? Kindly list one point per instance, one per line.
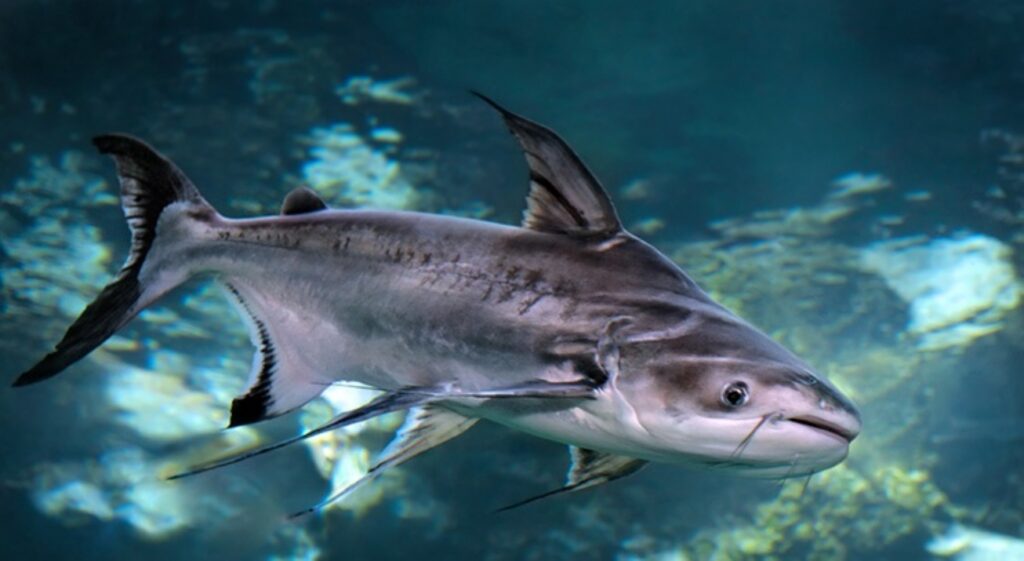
(735, 394)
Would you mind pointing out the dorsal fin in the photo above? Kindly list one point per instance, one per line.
(302, 200)
(565, 198)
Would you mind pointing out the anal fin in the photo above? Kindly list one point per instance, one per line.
(588, 468)
(279, 381)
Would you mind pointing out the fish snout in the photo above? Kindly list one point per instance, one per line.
(835, 412)
(842, 424)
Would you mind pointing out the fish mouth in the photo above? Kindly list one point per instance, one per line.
(829, 427)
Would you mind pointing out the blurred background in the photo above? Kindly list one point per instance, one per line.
(848, 176)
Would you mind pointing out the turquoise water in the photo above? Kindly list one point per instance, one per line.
(849, 177)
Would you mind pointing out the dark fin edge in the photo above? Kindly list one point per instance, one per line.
(254, 405)
(565, 197)
(149, 183)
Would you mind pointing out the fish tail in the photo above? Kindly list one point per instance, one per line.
(157, 199)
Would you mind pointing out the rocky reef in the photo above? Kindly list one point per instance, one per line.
(886, 318)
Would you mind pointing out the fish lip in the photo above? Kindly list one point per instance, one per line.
(823, 425)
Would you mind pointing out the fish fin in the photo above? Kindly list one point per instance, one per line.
(279, 381)
(302, 200)
(565, 197)
(588, 468)
(150, 184)
(576, 389)
(384, 403)
(407, 398)
(425, 427)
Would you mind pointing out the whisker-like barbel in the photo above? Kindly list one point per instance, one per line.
(746, 440)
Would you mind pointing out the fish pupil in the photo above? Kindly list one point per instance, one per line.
(735, 394)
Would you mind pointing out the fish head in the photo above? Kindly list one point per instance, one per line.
(736, 400)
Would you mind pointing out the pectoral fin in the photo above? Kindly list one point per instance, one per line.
(426, 427)
(589, 468)
(385, 403)
(406, 398)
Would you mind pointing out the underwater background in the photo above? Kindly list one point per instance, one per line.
(849, 176)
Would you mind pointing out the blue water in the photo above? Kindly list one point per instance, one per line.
(691, 114)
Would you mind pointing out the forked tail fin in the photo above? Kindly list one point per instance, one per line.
(150, 183)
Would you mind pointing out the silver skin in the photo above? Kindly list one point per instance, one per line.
(399, 300)
(396, 299)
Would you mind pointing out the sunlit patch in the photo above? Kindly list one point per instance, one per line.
(964, 543)
(119, 485)
(363, 89)
(958, 289)
(347, 170)
(341, 456)
(857, 183)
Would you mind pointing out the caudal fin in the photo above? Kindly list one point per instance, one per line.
(149, 184)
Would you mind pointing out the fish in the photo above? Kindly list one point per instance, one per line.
(568, 327)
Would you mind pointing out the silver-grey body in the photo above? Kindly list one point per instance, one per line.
(568, 327)
(398, 299)
(410, 299)
(415, 299)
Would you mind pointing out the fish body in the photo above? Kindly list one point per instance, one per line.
(569, 328)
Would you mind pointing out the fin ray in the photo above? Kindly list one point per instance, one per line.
(279, 381)
(565, 197)
(409, 397)
(385, 403)
(425, 428)
(149, 184)
(588, 468)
